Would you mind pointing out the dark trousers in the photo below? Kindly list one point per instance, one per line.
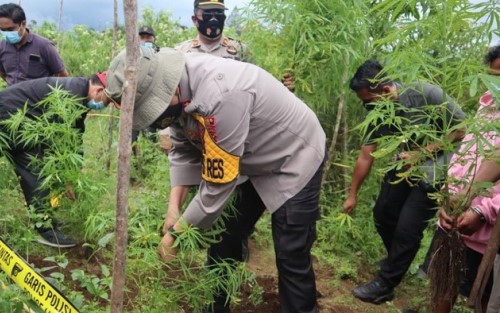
(294, 232)
(29, 180)
(401, 214)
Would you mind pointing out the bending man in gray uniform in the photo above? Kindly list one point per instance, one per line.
(229, 119)
(209, 19)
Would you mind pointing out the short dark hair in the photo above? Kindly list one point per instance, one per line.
(13, 11)
(369, 75)
(94, 79)
(492, 55)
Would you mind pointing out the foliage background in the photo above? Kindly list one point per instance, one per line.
(321, 42)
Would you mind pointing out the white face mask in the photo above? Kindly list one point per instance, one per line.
(147, 44)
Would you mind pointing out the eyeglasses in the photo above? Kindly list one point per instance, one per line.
(208, 14)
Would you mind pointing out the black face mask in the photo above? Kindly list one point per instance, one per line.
(169, 116)
(212, 24)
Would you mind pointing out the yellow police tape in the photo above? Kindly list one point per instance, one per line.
(46, 296)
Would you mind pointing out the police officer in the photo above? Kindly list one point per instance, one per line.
(209, 18)
(147, 37)
(229, 119)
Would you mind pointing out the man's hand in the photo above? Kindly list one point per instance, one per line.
(166, 248)
(468, 223)
(460, 200)
(289, 81)
(349, 204)
(410, 157)
(447, 222)
(172, 217)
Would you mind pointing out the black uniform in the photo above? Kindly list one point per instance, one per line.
(30, 93)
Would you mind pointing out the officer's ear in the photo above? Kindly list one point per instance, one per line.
(195, 21)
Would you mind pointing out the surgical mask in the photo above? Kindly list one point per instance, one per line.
(212, 24)
(12, 37)
(91, 104)
(148, 44)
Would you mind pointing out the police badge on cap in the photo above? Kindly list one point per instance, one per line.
(146, 30)
(209, 4)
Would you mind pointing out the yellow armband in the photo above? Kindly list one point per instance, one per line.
(219, 166)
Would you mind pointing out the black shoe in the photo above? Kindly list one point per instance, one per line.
(245, 252)
(377, 291)
(53, 237)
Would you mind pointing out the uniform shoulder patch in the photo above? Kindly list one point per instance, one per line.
(195, 43)
(232, 50)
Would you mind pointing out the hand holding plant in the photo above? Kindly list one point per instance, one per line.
(166, 248)
(350, 204)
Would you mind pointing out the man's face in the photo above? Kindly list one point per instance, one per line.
(7, 25)
(210, 23)
(370, 96)
(146, 38)
(367, 96)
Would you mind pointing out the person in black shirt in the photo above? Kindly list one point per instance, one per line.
(27, 95)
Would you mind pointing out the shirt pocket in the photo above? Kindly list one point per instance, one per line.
(36, 68)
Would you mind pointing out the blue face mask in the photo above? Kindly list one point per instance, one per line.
(147, 44)
(95, 105)
(12, 37)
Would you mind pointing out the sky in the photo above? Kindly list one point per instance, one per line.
(99, 13)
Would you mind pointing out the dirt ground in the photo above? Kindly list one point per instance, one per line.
(333, 296)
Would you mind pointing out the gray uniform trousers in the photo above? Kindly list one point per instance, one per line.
(294, 232)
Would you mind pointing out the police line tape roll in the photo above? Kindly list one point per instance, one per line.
(46, 296)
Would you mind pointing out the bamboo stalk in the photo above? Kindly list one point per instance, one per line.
(124, 152)
(113, 53)
(336, 128)
(59, 24)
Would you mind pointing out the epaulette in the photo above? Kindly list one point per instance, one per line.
(195, 43)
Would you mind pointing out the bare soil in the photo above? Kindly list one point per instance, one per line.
(333, 296)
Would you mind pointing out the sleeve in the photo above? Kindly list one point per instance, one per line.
(185, 159)
(454, 113)
(489, 205)
(375, 132)
(231, 116)
(52, 58)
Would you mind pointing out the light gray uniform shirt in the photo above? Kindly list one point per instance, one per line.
(251, 115)
(225, 47)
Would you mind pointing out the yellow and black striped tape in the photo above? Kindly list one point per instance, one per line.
(46, 296)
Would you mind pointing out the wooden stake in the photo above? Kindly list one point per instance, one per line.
(340, 110)
(124, 151)
(483, 273)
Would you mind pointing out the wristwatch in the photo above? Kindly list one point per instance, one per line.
(173, 233)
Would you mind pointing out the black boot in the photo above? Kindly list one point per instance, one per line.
(377, 291)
